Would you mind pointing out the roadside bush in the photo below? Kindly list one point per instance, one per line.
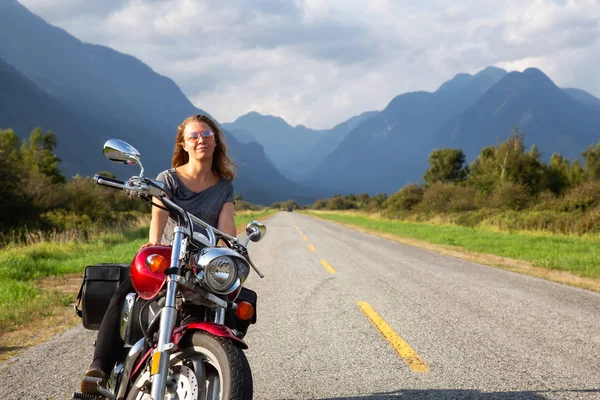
(510, 196)
(320, 204)
(63, 220)
(375, 203)
(548, 221)
(581, 198)
(339, 203)
(545, 201)
(284, 205)
(470, 219)
(403, 200)
(242, 205)
(448, 197)
(362, 200)
(590, 222)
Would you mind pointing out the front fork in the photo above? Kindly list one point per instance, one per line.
(159, 367)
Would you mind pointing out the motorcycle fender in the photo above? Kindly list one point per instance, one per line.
(209, 327)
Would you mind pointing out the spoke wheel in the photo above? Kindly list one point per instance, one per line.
(206, 368)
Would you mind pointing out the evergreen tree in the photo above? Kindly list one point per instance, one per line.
(592, 162)
(9, 145)
(484, 170)
(15, 203)
(508, 162)
(38, 154)
(557, 174)
(446, 165)
(576, 173)
(42, 171)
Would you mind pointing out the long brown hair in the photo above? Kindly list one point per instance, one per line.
(222, 165)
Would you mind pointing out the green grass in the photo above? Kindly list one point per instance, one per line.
(244, 217)
(51, 259)
(576, 255)
(22, 266)
(22, 302)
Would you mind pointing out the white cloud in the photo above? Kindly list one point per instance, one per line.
(318, 63)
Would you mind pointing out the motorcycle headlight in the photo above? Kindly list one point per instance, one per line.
(221, 275)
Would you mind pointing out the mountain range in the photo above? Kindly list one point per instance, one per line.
(294, 150)
(388, 149)
(88, 93)
(549, 116)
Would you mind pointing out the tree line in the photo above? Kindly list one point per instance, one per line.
(38, 197)
(506, 183)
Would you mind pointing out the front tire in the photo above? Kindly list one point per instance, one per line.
(207, 368)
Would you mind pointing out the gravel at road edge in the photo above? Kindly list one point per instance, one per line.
(48, 371)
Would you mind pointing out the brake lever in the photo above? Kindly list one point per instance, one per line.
(244, 252)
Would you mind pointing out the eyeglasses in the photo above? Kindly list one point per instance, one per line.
(193, 137)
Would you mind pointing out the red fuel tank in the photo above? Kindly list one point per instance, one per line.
(145, 282)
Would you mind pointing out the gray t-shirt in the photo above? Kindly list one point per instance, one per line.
(205, 205)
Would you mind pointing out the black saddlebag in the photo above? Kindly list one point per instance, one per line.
(100, 282)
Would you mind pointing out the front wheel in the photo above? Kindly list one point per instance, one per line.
(207, 368)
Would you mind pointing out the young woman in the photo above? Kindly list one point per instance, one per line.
(201, 183)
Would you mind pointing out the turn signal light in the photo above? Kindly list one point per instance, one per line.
(157, 263)
(244, 310)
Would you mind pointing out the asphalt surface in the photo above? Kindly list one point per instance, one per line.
(479, 332)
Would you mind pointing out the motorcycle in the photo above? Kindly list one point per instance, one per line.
(184, 326)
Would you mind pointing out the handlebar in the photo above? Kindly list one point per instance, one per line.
(106, 181)
(145, 187)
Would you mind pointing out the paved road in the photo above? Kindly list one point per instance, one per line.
(456, 329)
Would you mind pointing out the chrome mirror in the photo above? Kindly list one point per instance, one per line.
(256, 231)
(119, 151)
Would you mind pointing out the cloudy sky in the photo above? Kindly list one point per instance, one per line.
(318, 63)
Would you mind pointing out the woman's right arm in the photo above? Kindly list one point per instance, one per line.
(157, 223)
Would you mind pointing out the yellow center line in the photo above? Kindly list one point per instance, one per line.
(310, 246)
(410, 357)
(300, 232)
(327, 266)
(304, 237)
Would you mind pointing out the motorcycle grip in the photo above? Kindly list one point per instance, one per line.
(108, 181)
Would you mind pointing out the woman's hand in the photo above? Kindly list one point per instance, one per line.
(148, 245)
